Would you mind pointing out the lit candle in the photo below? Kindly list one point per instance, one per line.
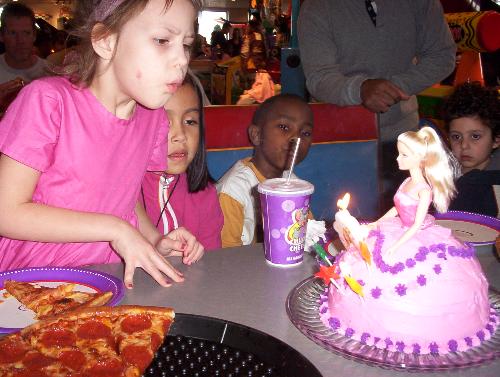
(346, 225)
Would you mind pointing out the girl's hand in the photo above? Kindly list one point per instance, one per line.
(180, 242)
(136, 251)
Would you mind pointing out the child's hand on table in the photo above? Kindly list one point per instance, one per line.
(136, 251)
(180, 242)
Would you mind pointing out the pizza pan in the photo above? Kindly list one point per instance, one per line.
(205, 346)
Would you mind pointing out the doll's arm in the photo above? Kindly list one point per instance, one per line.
(22, 219)
(391, 213)
(422, 208)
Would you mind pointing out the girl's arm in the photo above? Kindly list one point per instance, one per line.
(424, 199)
(22, 219)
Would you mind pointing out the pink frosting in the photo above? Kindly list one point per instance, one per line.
(436, 301)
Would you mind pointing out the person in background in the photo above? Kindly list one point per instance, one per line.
(219, 42)
(253, 49)
(74, 152)
(235, 42)
(183, 195)
(276, 124)
(18, 34)
(378, 54)
(472, 116)
(19, 64)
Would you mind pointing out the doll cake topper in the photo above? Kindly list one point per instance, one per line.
(405, 284)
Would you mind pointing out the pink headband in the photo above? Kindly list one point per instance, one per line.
(104, 8)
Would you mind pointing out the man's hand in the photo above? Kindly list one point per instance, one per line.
(379, 95)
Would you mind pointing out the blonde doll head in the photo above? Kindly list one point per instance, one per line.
(438, 165)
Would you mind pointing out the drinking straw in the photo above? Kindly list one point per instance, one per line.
(296, 149)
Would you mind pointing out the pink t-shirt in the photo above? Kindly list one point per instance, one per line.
(198, 212)
(89, 160)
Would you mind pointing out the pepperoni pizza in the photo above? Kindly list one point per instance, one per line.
(92, 342)
(47, 301)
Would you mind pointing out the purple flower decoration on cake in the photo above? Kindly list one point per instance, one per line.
(441, 255)
(421, 280)
(376, 340)
(433, 347)
(376, 292)
(421, 255)
(416, 348)
(490, 328)
(349, 332)
(397, 268)
(388, 342)
(480, 335)
(400, 346)
(361, 282)
(323, 310)
(468, 341)
(437, 269)
(410, 263)
(400, 289)
(453, 345)
(364, 337)
(334, 323)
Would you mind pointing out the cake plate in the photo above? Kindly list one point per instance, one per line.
(302, 306)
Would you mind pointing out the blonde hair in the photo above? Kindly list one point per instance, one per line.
(439, 167)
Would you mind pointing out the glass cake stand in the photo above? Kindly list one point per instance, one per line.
(302, 306)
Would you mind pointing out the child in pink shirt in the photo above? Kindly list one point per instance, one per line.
(74, 152)
(184, 195)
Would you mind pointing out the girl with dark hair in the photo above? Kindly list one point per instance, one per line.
(184, 195)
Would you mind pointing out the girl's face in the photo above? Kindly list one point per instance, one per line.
(183, 111)
(151, 53)
(471, 142)
(407, 159)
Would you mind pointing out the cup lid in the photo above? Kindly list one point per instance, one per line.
(279, 186)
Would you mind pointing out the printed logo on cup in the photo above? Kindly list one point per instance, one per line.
(296, 232)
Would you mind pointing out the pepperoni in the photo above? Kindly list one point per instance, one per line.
(12, 350)
(140, 356)
(35, 360)
(73, 359)
(93, 330)
(106, 368)
(58, 337)
(156, 341)
(136, 323)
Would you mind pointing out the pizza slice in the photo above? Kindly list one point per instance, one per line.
(47, 301)
(105, 341)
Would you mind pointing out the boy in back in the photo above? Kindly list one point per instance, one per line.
(276, 124)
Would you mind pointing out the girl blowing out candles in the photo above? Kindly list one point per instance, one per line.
(75, 148)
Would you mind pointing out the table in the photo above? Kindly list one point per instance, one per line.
(237, 285)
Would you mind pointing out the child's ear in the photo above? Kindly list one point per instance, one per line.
(254, 134)
(105, 45)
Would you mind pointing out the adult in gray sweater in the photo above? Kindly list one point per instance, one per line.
(379, 58)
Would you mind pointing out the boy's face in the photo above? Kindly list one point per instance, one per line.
(18, 36)
(471, 142)
(273, 140)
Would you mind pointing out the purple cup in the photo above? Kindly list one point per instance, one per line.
(284, 207)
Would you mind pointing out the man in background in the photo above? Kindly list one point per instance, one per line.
(378, 54)
(19, 64)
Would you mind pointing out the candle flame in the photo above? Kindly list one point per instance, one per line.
(344, 202)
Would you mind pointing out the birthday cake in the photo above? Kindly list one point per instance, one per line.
(429, 296)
